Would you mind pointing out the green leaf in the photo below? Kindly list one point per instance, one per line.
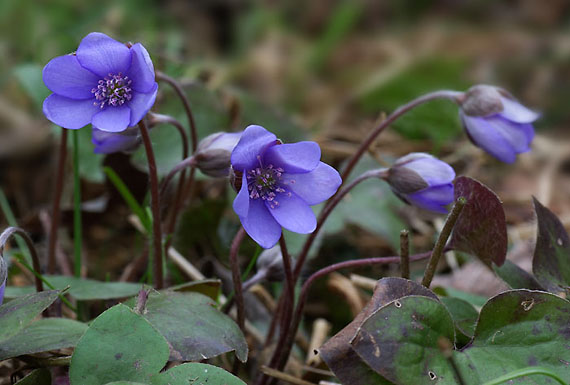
(551, 262)
(18, 313)
(481, 229)
(196, 374)
(473, 299)
(84, 289)
(125, 383)
(439, 118)
(193, 326)
(42, 336)
(208, 287)
(370, 205)
(119, 345)
(400, 341)
(464, 317)
(516, 329)
(37, 377)
(516, 277)
(337, 352)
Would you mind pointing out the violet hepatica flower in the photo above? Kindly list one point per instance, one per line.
(110, 142)
(496, 122)
(279, 183)
(104, 83)
(422, 180)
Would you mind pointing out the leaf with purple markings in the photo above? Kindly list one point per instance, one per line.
(551, 262)
(481, 228)
(337, 352)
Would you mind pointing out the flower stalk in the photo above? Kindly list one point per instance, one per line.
(442, 240)
(52, 241)
(77, 228)
(405, 254)
(155, 208)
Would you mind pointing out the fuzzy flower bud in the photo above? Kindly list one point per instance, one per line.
(422, 180)
(214, 152)
(111, 142)
(497, 123)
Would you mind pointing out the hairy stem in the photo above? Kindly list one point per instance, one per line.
(405, 254)
(155, 208)
(77, 228)
(236, 277)
(180, 92)
(442, 240)
(56, 201)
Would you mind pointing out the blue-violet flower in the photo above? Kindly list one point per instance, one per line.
(111, 142)
(279, 183)
(105, 83)
(496, 122)
(422, 180)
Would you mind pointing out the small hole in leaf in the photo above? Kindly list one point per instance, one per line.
(432, 375)
(315, 352)
(527, 305)
(397, 304)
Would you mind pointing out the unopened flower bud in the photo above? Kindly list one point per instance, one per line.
(497, 123)
(271, 262)
(214, 151)
(422, 180)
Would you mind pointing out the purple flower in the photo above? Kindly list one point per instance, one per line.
(496, 122)
(104, 83)
(111, 142)
(422, 180)
(279, 183)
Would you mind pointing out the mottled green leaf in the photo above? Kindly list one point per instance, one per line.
(193, 326)
(208, 287)
(18, 313)
(516, 277)
(196, 374)
(42, 336)
(338, 353)
(119, 345)
(464, 317)
(551, 262)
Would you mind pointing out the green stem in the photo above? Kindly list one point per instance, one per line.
(523, 373)
(76, 206)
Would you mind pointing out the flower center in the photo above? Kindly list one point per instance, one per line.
(264, 182)
(113, 90)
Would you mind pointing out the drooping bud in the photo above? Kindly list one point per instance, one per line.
(483, 100)
(496, 122)
(214, 151)
(422, 180)
(111, 142)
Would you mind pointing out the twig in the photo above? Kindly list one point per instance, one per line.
(284, 376)
(405, 254)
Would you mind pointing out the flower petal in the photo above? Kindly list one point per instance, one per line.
(316, 186)
(64, 76)
(2, 288)
(516, 112)
(102, 55)
(433, 198)
(519, 135)
(487, 137)
(241, 202)
(69, 113)
(108, 143)
(260, 225)
(298, 157)
(293, 213)
(141, 103)
(113, 119)
(432, 170)
(253, 142)
(142, 69)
